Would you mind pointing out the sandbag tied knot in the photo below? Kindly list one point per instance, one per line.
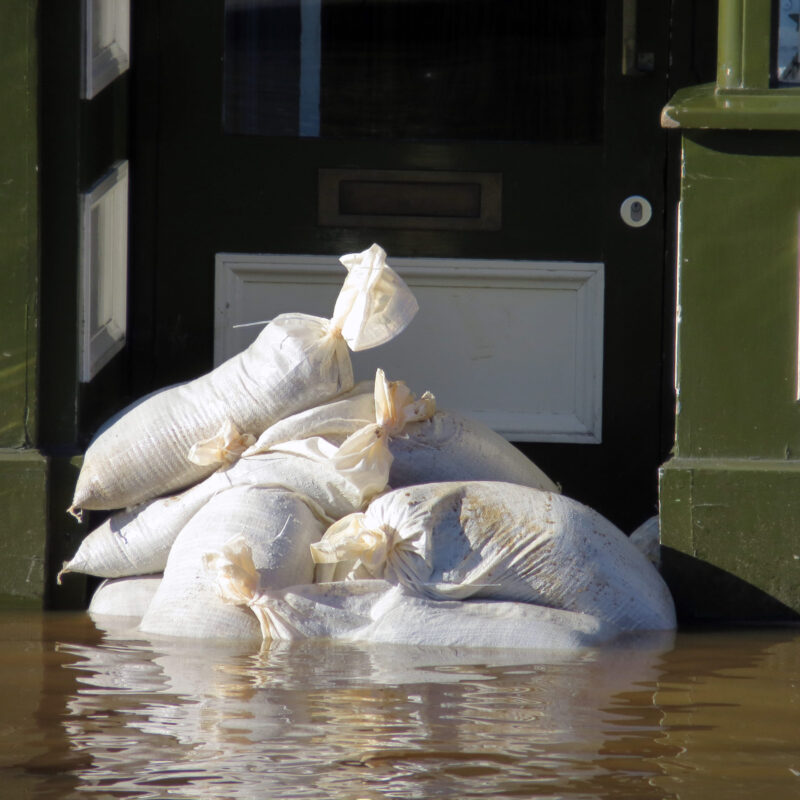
(236, 580)
(396, 405)
(374, 304)
(236, 577)
(333, 330)
(225, 447)
(364, 457)
(351, 539)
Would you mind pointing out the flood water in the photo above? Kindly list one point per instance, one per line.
(100, 714)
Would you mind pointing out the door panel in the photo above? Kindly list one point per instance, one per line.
(474, 339)
(565, 160)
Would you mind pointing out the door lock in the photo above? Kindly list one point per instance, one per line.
(636, 211)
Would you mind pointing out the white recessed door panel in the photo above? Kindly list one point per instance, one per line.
(515, 344)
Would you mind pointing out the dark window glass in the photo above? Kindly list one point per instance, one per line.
(415, 69)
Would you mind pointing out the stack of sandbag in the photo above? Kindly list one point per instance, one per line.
(311, 507)
(297, 361)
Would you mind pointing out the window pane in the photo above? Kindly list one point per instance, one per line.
(415, 69)
(788, 67)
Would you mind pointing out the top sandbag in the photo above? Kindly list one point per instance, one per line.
(296, 362)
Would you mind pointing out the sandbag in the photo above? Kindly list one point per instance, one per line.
(501, 541)
(335, 420)
(277, 526)
(453, 447)
(375, 610)
(124, 597)
(138, 541)
(365, 457)
(647, 537)
(447, 446)
(296, 362)
(333, 481)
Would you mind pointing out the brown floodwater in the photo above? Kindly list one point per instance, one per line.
(97, 713)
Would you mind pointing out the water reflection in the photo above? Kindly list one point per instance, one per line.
(122, 715)
(333, 720)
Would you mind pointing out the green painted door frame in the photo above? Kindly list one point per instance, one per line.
(730, 496)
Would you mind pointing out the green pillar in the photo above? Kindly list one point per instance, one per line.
(23, 470)
(730, 496)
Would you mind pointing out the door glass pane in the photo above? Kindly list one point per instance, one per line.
(788, 49)
(415, 69)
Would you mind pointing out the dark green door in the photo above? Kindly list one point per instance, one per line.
(449, 129)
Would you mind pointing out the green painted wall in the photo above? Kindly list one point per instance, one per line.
(729, 497)
(23, 470)
(23, 490)
(19, 256)
(739, 228)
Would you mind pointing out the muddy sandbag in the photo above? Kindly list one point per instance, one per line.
(296, 362)
(277, 526)
(505, 542)
(334, 481)
(375, 610)
(124, 597)
(446, 446)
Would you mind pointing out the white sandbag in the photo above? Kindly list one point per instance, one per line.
(296, 362)
(124, 597)
(378, 611)
(335, 420)
(448, 446)
(453, 447)
(486, 624)
(334, 481)
(364, 457)
(505, 542)
(647, 537)
(138, 541)
(277, 526)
